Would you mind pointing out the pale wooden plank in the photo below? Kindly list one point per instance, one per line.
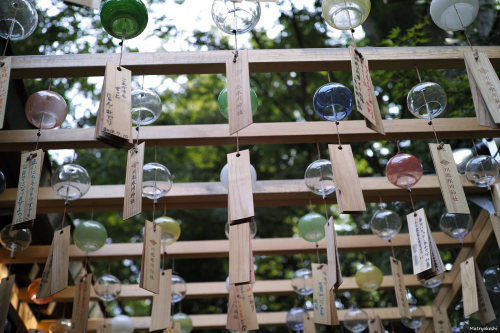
(239, 253)
(160, 313)
(150, 258)
(469, 286)
(239, 106)
(239, 193)
(5, 65)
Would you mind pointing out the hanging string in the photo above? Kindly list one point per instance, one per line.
(317, 252)
(319, 152)
(237, 144)
(155, 200)
(412, 204)
(39, 132)
(137, 128)
(397, 147)
(474, 52)
(351, 29)
(235, 31)
(11, 29)
(310, 206)
(122, 43)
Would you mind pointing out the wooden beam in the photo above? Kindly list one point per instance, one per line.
(213, 321)
(220, 248)
(211, 62)
(214, 195)
(257, 133)
(196, 290)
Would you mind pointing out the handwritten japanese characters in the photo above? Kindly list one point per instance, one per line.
(325, 311)
(79, 318)
(150, 264)
(5, 65)
(133, 182)
(238, 92)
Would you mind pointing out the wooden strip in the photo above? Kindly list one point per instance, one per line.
(420, 246)
(239, 106)
(495, 196)
(308, 322)
(375, 325)
(104, 326)
(160, 314)
(495, 224)
(150, 263)
(324, 307)
(348, 188)
(5, 65)
(132, 204)
(55, 273)
(441, 320)
(5, 295)
(400, 287)
(449, 179)
(246, 307)
(240, 194)
(469, 286)
(27, 188)
(257, 133)
(278, 60)
(213, 195)
(334, 274)
(94, 4)
(486, 311)
(482, 115)
(487, 81)
(220, 248)
(437, 261)
(239, 253)
(79, 318)
(233, 322)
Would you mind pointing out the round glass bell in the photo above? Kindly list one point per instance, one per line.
(302, 282)
(345, 15)
(146, 107)
(253, 229)
(233, 17)
(33, 290)
(15, 240)
(3, 183)
(121, 324)
(404, 170)
(70, 181)
(60, 326)
(184, 320)
(312, 227)
(319, 177)
(224, 180)
(426, 100)
(417, 318)
(482, 170)
(452, 15)
(222, 101)
(356, 320)
(46, 109)
(368, 277)
(385, 223)
(156, 180)
(461, 156)
(294, 318)
(90, 236)
(170, 229)
(124, 18)
(333, 102)
(108, 288)
(491, 278)
(456, 225)
(18, 19)
(178, 288)
(433, 282)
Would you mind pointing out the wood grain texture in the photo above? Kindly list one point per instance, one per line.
(240, 192)
(323, 303)
(400, 287)
(449, 179)
(469, 286)
(495, 225)
(332, 253)
(308, 321)
(239, 253)
(239, 106)
(79, 318)
(150, 259)
(482, 114)
(132, 203)
(440, 320)
(6, 287)
(348, 188)
(420, 245)
(247, 313)
(4, 86)
(486, 311)
(160, 313)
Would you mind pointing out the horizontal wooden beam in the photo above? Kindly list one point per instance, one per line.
(214, 195)
(197, 290)
(211, 321)
(220, 248)
(210, 62)
(257, 133)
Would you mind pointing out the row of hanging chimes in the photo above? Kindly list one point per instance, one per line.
(241, 315)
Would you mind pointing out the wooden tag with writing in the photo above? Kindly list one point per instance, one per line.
(232, 321)
(486, 312)
(246, 307)
(400, 287)
(114, 120)
(366, 101)
(132, 204)
(55, 273)
(240, 194)
(486, 80)
(94, 4)
(239, 105)
(5, 294)
(239, 253)
(308, 322)
(79, 318)
(348, 188)
(449, 179)
(104, 327)
(5, 66)
(437, 261)
(419, 240)
(440, 320)
(150, 264)
(27, 188)
(160, 314)
(375, 325)
(469, 286)
(495, 224)
(325, 311)
(332, 252)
